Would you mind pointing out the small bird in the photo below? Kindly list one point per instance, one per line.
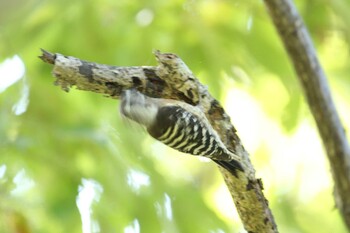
(179, 125)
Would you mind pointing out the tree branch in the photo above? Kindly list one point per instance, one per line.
(314, 83)
(159, 82)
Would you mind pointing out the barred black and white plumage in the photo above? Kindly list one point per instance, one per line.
(178, 125)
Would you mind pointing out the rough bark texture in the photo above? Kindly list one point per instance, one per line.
(158, 82)
(314, 83)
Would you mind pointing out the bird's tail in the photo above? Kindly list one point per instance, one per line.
(231, 166)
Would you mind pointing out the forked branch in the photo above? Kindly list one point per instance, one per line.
(160, 82)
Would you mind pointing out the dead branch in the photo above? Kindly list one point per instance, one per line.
(159, 82)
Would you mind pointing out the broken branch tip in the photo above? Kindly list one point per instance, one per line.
(47, 56)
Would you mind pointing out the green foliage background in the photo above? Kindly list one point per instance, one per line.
(231, 46)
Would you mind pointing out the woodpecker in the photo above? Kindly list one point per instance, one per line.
(179, 125)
